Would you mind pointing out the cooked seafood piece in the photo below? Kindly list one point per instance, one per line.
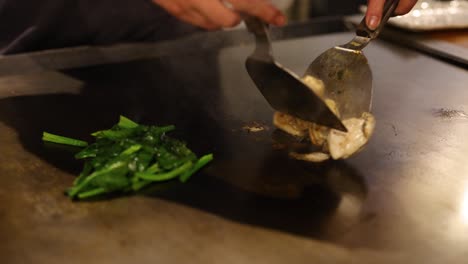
(318, 87)
(342, 145)
(333, 107)
(315, 84)
(334, 143)
(311, 157)
(290, 124)
(318, 134)
(369, 124)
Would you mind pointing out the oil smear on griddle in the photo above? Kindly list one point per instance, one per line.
(332, 143)
(449, 114)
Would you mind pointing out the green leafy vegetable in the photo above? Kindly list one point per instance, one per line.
(128, 157)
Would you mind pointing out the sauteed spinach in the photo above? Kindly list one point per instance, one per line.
(128, 157)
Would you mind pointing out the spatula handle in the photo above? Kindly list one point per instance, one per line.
(389, 9)
(263, 48)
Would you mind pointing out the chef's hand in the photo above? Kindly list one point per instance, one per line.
(375, 7)
(213, 14)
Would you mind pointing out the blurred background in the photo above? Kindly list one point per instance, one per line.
(300, 10)
(55, 24)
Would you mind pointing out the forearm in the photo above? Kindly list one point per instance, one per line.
(37, 25)
(217, 14)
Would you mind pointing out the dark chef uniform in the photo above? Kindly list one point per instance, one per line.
(31, 25)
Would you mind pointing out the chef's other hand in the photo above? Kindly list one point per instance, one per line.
(375, 8)
(213, 14)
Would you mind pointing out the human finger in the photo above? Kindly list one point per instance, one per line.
(262, 9)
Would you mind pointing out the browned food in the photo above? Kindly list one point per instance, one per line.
(333, 143)
(290, 124)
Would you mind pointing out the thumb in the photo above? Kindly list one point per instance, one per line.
(374, 13)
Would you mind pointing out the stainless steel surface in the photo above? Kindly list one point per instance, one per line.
(403, 199)
(345, 72)
(283, 89)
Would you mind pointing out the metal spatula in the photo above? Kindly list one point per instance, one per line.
(345, 71)
(283, 90)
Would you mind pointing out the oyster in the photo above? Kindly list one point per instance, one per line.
(333, 143)
(342, 145)
(315, 85)
(311, 157)
(290, 124)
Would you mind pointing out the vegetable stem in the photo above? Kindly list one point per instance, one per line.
(140, 184)
(63, 140)
(115, 166)
(165, 176)
(91, 193)
(153, 169)
(166, 129)
(131, 150)
(198, 165)
(86, 170)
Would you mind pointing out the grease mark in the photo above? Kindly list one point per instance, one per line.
(449, 114)
(254, 127)
(394, 129)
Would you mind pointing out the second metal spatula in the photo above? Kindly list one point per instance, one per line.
(345, 71)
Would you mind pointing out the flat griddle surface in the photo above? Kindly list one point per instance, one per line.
(404, 199)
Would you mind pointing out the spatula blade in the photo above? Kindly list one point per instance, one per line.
(286, 93)
(347, 78)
